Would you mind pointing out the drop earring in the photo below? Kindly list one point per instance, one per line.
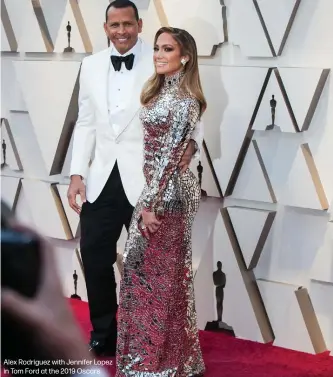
(183, 61)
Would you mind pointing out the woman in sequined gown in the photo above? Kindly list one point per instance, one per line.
(157, 324)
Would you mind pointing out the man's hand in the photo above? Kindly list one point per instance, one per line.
(187, 156)
(76, 187)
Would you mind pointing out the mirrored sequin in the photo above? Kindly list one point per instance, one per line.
(157, 325)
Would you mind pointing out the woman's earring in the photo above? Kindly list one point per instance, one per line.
(183, 61)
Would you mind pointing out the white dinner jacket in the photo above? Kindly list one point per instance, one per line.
(96, 146)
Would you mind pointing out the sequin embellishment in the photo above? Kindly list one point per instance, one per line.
(157, 324)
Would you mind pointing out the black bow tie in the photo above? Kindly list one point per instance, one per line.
(117, 60)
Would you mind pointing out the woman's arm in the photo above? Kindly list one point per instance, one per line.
(179, 135)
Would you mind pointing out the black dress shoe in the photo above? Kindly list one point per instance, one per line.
(96, 347)
(102, 348)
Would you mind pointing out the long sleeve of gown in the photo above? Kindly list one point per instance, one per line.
(183, 121)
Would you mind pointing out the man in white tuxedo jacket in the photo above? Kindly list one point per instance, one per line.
(107, 159)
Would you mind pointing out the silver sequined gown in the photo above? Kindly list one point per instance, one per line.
(157, 324)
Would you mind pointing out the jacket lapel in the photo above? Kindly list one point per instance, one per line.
(143, 70)
(102, 80)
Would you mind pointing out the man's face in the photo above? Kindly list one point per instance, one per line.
(122, 28)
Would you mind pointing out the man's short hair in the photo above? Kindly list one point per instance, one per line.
(119, 4)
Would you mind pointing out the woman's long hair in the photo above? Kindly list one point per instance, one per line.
(191, 80)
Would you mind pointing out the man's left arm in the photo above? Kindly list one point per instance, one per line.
(197, 137)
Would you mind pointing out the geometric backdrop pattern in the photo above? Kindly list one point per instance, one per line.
(267, 155)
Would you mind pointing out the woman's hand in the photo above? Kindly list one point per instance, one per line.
(150, 222)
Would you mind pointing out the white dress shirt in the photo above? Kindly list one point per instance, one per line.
(120, 84)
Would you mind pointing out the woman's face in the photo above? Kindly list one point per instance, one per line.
(167, 55)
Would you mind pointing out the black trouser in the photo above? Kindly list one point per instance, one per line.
(101, 225)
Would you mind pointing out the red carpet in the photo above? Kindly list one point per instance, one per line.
(226, 356)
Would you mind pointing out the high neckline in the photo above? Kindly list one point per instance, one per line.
(174, 79)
